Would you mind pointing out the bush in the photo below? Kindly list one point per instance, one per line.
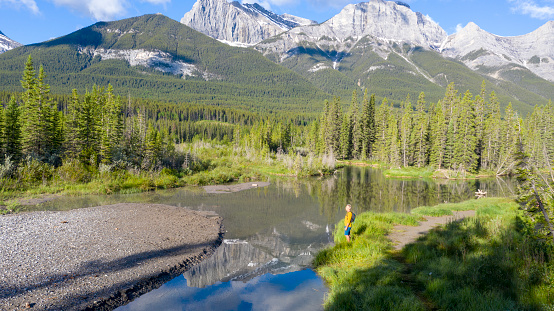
(74, 171)
(33, 171)
(7, 169)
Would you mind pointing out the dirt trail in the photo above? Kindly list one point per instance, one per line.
(402, 235)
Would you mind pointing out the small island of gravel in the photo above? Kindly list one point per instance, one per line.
(100, 257)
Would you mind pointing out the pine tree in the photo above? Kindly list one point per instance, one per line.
(419, 140)
(111, 126)
(367, 121)
(346, 138)
(437, 137)
(465, 143)
(12, 131)
(2, 132)
(508, 142)
(381, 146)
(491, 134)
(357, 128)
(153, 147)
(333, 122)
(405, 132)
(32, 131)
(393, 140)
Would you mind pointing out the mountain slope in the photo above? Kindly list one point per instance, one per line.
(392, 51)
(6, 43)
(237, 23)
(153, 56)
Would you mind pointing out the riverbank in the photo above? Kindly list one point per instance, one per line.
(490, 261)
(429, 172)
(100, 257)
(209, 164)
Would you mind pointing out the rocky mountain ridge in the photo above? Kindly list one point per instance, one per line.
(6, 43)
(238, 24)
(481, 50)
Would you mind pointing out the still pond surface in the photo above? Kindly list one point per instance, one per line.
(273, 233)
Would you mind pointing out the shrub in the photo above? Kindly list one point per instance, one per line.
(74, 171)
(33, 171)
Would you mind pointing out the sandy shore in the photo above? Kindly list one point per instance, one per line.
(98, 258)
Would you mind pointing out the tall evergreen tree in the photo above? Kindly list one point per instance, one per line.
(491, 134)
(465, 143)
(405, 132)
(419, 140)
(346, 137)
(368, 124)
(12, 131)
(437, 136)
(357, 128)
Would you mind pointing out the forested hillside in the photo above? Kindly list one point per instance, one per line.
(155, 57)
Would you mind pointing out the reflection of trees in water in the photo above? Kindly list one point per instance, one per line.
(369, 190)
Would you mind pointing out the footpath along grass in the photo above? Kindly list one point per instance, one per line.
(487, 262)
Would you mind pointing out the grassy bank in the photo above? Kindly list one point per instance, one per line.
(207, 163)
(489, 262)
(429, 172)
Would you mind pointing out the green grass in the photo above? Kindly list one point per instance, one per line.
(429, 172)
(410, 172)
(488, 262)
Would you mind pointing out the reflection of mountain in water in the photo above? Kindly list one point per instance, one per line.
(238, 260)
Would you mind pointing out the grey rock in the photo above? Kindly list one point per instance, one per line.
(476, 47)
(238, 24)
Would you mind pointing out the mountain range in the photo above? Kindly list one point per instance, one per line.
(291, 63)
(392, 50)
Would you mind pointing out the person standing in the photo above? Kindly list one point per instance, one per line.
(348, 222)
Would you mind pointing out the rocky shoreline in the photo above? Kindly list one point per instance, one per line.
(98, 258)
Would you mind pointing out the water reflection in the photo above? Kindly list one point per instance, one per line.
(273, 233)
(301, 290)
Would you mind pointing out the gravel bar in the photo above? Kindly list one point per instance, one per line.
(98, 258)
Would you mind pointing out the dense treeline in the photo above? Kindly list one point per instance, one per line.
(460, 132)
(92, 129)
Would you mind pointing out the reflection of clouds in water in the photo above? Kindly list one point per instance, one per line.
(269, 296)
(301, 290)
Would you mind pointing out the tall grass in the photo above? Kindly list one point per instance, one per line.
(488, 262)
(361, 275)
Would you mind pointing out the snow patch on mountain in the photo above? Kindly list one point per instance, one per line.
(156, 59)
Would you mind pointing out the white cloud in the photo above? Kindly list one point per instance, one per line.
(97, 9)
(157, 1)
(263, 3)
(533, 9)
(459, 27)
(29, 4)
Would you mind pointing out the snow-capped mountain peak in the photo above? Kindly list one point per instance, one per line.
(478, 48)
(6, 43)
(237, 23)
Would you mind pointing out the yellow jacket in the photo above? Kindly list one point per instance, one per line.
(347, 219)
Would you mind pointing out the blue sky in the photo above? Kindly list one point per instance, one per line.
(31, 21)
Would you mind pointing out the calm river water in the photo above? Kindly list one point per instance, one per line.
(274, 232)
